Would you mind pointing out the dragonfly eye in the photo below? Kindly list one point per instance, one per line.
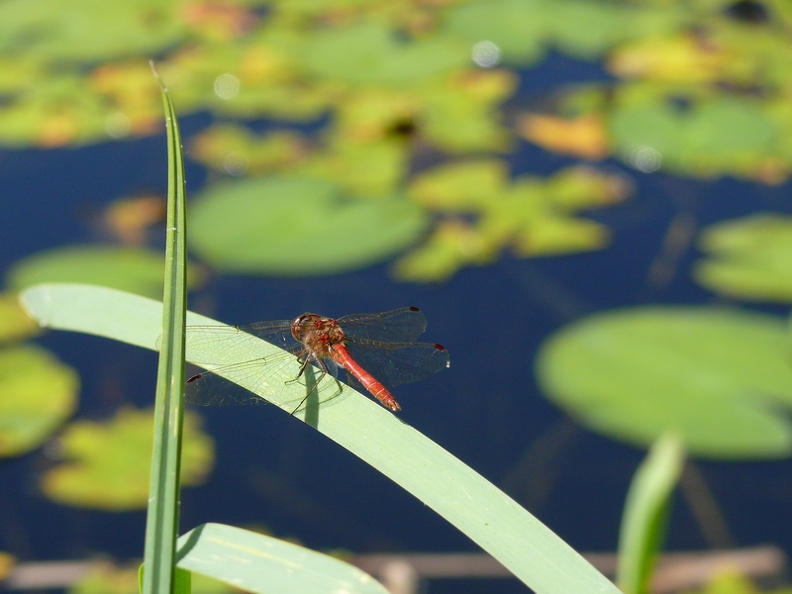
(300, 323)
(297, 326)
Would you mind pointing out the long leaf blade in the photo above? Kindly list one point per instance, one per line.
(646, 512)
(485, 514)
(240, 558)
(162, 520)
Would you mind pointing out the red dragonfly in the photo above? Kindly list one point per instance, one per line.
(376, 350)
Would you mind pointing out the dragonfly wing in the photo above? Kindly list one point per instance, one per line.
(398, 325)
(401, 363)
(239, 384)
(220, 345)
(277, 333)
(211, 389)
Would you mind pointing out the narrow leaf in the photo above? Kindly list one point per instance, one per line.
(259, 563)
(162, 521)
(646, 511)
(485, 514)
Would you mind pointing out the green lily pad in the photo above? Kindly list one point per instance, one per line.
(528, 215)
(108, 464)
(236, 150)
(128, 269)
(465, 186)
(298, 226)
(517, 27)
(86, 30)
(15, 324)
(696, 142)
(720, 378)
(364, 169)
(39, 393)
(459, 113)
(748, 258)
(373, 54)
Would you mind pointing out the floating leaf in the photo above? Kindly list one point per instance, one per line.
(517, 27)
(108, 464)
(364, 169)
(451, 246)
(587, 29)
(458, 113)
(695, 141)
(681, 58)
(130, 269)
(717, 377)
(15, 324)
(373, 54)
(529, 215)
(298, 226)
(463, 186)
(236, 150)
(39, 393)
(583, 137)
(86, 30)
(559, 235)
(130, 218)
(582, 187)
(748, 258)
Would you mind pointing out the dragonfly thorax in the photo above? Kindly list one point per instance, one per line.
(317, 334)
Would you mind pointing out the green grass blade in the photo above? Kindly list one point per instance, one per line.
(485, 514)
(162, 520)
(259, 563)
(646, 512)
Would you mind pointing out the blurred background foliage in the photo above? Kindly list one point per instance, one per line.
(346, 133)
(381, 111)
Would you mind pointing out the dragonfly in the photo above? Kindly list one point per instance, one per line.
(377, 351)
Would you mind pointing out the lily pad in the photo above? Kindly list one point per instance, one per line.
(39, 393)
(298, 227)
(109, 463)
(128, 269)
(86, 30)
(748, 258)
(517, 27)
(15, 324)
(373, 54)
(720, 378)
(695, 142)
(529, 215)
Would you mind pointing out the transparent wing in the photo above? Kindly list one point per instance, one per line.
(275, 376)
(395, 326)
(277, 332)
(223, 345)
(400, 363)
(226, 351)
(210, 389)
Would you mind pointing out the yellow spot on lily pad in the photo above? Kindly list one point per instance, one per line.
(584, 137)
